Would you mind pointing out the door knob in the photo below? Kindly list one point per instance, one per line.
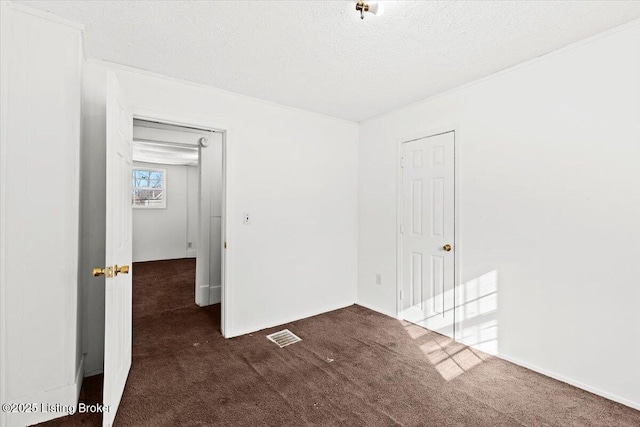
(106, 272)
(447, 247)
(124, 269)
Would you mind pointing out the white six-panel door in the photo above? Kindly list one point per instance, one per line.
(118, 256)
(427, 233)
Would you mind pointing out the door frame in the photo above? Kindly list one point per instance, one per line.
(457, 281)
(211, 125)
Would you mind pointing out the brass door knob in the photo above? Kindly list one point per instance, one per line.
(124, 269)
(106, 272)
(447, 247)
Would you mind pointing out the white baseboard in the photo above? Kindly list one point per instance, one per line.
(377, 310)
(590, 389)
(93, 372)
(211, 295)
(245, 331)
(215, 295)
(202, 296)
(66, 396)
(79, 378)
(164, 258)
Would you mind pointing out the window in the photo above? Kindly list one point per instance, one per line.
(148, 188)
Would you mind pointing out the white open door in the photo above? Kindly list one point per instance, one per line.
(118, 255)
(428, 268)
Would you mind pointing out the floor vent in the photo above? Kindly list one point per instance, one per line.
(284, 338)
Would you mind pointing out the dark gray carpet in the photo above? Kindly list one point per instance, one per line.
(354, 367)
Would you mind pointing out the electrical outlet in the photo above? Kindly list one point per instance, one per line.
(378, 279)
(246, 219)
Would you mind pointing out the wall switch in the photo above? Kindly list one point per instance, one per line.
(378, 279)
(245, 219)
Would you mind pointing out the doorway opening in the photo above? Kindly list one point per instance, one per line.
(177, 199)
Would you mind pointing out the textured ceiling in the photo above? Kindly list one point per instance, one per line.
(319, 56)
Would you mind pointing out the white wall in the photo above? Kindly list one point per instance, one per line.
(293, 171)
(163, 233)
(40, 359)
(549, 178)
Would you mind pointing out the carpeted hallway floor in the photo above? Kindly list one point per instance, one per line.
(354, 367)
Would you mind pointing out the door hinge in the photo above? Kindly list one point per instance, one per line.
(400, 294)
(401, 228)
(401, 162)
(225, 245)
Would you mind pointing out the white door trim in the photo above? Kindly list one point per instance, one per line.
(433, 131)
(212, 125)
